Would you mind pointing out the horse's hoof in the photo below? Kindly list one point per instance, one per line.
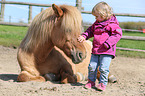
(50, 77)
(112, 79)
(79, 76)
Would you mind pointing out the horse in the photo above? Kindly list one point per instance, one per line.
(68, 72)
(56, 26)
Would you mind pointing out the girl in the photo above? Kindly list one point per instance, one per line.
(106, 33)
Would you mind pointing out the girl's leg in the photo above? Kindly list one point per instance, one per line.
(92, 68)
(105, 61)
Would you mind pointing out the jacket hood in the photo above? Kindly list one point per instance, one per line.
(111, 20)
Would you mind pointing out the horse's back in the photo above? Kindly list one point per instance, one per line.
(83, 66)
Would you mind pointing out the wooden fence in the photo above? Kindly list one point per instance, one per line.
(79, 6)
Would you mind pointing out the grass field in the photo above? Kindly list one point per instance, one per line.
(13, 35)
(134, 34)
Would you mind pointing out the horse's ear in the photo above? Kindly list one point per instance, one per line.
(58, 11)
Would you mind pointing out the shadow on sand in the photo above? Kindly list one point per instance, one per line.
(13, 77)
(7, 77)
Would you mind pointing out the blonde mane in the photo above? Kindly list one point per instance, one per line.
(72, 20)
(42, 25)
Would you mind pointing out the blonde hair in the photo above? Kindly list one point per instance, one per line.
(103, 9)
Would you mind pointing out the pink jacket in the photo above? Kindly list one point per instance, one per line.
(107, 32)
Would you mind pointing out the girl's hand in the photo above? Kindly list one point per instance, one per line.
(106, 45)
(81, 38)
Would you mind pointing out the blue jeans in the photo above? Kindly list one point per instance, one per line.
(103, 61)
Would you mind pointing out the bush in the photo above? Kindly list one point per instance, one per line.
(132, 25)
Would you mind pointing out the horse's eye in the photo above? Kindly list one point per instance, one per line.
(67, 30)
(65, 72)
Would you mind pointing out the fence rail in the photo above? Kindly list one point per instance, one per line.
(49, 5)
(25, 3)
(78, 5)
(133, 38)
(128, 49)
(14, 24)
(120, 14)
(132, 30)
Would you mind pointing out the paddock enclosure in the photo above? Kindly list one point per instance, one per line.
(129, 72)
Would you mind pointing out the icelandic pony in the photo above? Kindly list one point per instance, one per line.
(67, 72)
(56, 26)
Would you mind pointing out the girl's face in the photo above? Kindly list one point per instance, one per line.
(98, 17)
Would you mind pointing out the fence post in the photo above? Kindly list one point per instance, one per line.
(2, 11)
(42, 9)
(9, 19)
(30, 14)
(79, 5)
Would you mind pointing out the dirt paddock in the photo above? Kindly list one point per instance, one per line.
(130, 73)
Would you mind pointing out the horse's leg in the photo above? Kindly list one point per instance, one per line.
(67, 78)
(66, 74)
(28, 66)
(111, 78)
(80, 77)
(25, 76)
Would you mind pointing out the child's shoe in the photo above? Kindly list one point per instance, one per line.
(90, 84)
(101, 87)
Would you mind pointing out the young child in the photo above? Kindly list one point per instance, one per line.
(106, 33)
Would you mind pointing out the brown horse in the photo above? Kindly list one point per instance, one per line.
(66, 70)
(56, 26)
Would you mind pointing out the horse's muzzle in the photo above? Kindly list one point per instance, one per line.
(77, 56)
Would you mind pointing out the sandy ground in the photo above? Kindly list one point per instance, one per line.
(130, 73)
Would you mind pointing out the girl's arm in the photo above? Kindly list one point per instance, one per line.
(88, 33)
(116, 34)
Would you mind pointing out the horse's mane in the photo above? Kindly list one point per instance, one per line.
(40, 29)
(71, 20)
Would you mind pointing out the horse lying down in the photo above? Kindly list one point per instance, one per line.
(51, 47)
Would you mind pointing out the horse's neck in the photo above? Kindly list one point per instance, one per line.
(42, 52)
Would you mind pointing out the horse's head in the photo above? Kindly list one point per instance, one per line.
(66, 30)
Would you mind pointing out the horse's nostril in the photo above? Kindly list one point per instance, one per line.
(80, 55)
(77, 57)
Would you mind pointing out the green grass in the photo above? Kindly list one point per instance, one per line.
(133, 54)
(133, 44)
(13, 35)
(134, 34)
